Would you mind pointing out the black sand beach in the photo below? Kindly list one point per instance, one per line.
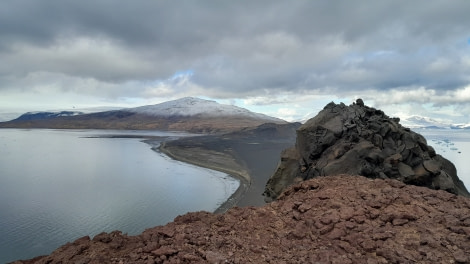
(250, 155)
(252, 159)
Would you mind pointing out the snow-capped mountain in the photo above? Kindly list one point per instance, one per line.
(190, 106)
(460, 126)
(186, 114)
(426, 122)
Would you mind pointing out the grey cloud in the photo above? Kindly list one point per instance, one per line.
(241, 48)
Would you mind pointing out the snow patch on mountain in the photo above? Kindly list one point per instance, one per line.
(460, 126)
(190, 106)
(421, 121)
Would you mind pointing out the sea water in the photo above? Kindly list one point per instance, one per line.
(59, 185)
(454, 145)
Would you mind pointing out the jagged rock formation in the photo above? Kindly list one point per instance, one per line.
(360, 140)
(337, 219)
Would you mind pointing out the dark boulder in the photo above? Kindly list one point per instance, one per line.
(361, 140)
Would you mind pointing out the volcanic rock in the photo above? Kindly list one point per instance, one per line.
(335, 219)
(361, 140)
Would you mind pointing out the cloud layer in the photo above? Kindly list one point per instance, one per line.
(391, 52)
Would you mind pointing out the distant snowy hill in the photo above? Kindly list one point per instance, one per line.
(190, 106)
(46, 115)
(426, 122)
(460, 126)
(186, 114)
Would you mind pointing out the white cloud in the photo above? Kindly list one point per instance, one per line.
(404, 95)
(460, 95)
(439, 65)
(288, 114)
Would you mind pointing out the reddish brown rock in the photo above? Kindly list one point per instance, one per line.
(335, 219)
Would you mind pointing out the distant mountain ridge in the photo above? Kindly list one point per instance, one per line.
(46, 115)
(416, 121)
(185, 114)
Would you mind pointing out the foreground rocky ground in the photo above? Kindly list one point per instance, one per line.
(334, 219)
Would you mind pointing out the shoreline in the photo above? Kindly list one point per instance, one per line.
(213, 160)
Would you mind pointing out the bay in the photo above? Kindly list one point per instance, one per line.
(59, 185)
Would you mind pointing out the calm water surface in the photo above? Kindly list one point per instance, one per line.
(453, 145)
(56, 186)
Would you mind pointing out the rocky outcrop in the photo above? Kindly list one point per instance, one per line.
(337, 219)
(360, 140)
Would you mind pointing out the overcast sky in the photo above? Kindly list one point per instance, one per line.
(284, 58)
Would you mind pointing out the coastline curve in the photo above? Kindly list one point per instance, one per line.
(213, 160)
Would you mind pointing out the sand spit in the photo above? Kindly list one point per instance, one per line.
(216, 161)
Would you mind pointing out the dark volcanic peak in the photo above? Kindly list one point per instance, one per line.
(360, 140)
(337, 219)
